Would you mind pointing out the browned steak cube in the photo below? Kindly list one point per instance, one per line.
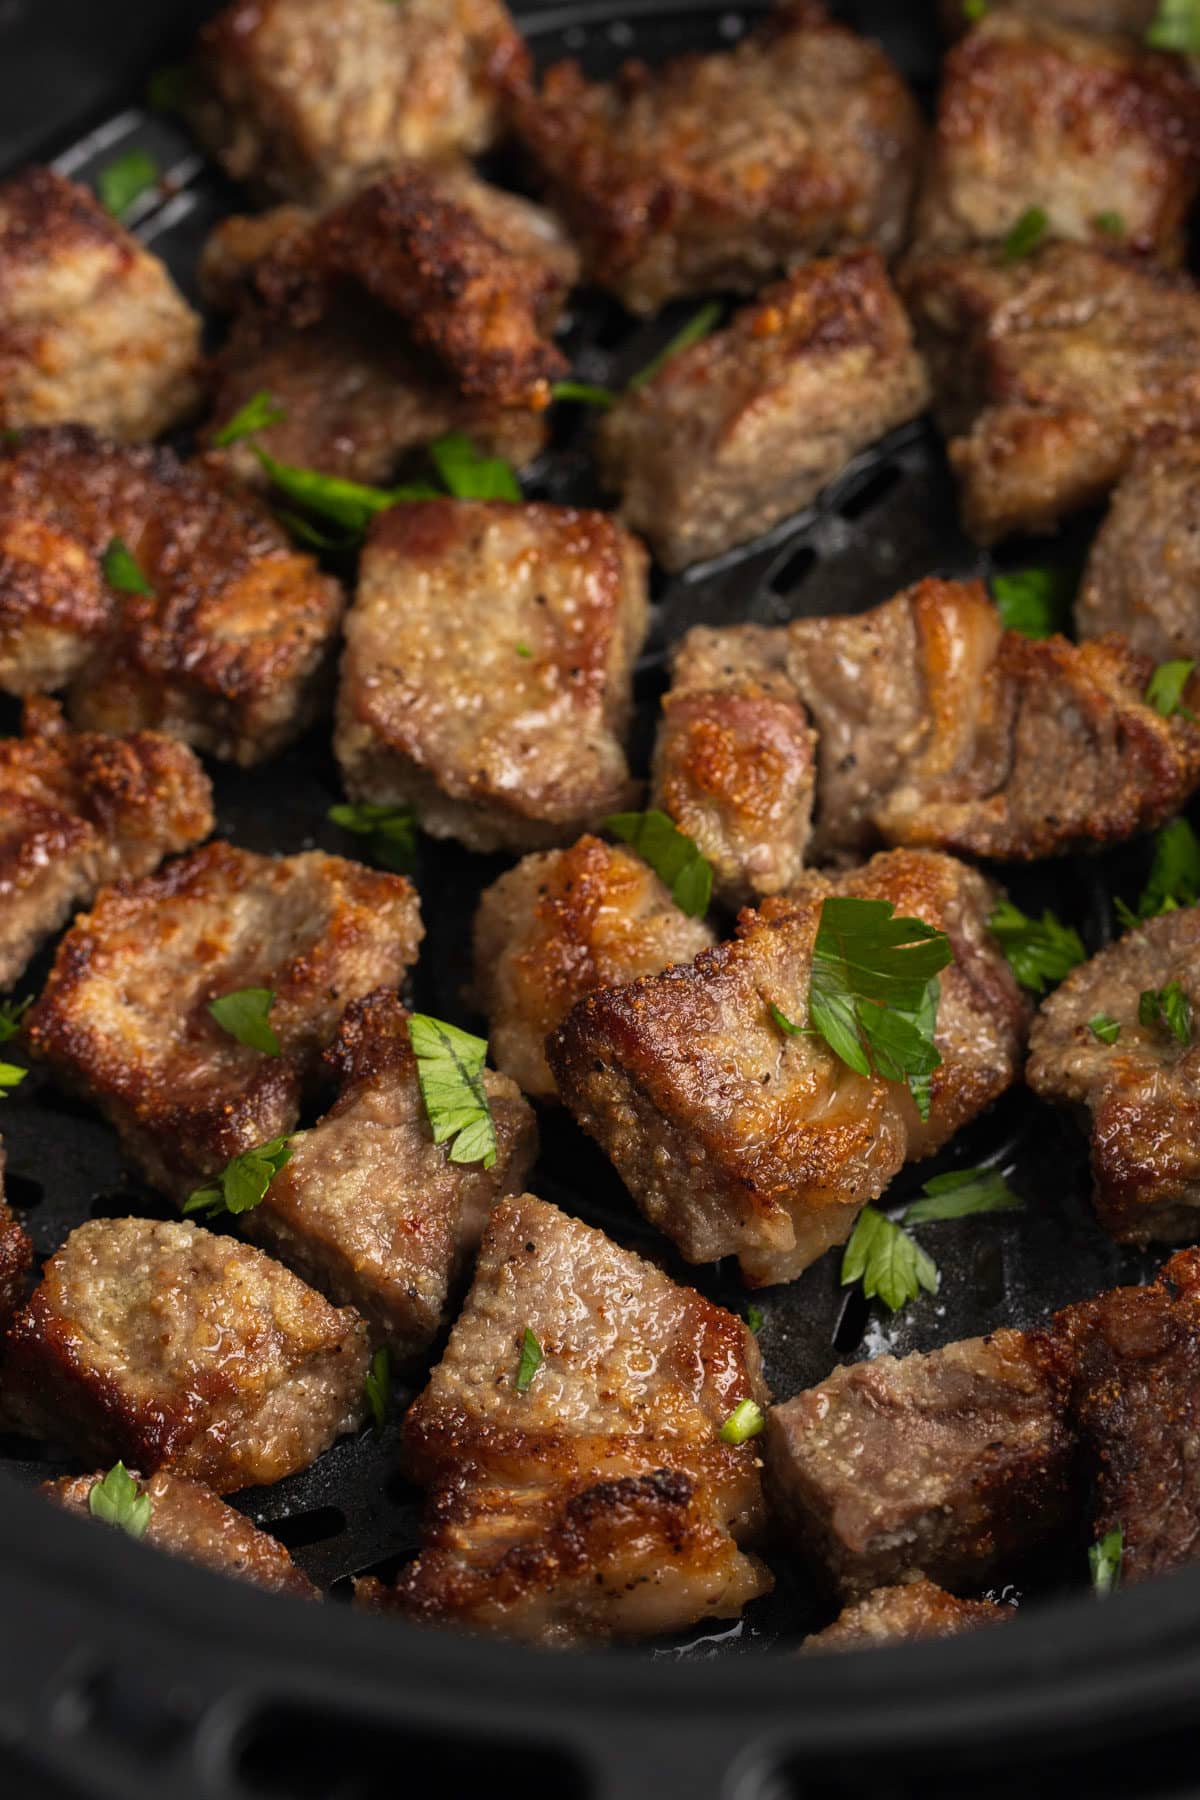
(1133, 17)
(16, 1257)
(560, 925)
(1143, 574)
(1101, 135)
(1049, 370)
(77, 810)
(904, 1614)
(187, 1519)
(92, 328)
(305, 98)
(735, 759)
(1141, 1091)
(955, 1464)
(124, 1017)
(487, 679)
(172, 1348)
(720, 171)
(748, 425)
(369, 1209)
(736, 1138)
(593, 1496)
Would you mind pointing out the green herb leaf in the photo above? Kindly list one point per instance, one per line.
(523, 650)
(1166, 688)
(391, 831)
(1105, 1028)
(671, 854)
(349, 503)
(259, 412)
(378, 1386)
(788, 1027)
(11, 1076)
(697, 327)
(530, 1363)
(244, 1180)
(585, 393)
(1041, 951)
(118, 1500)
(245, 1015)
(1167, 1006)
(303, 531)
(744, 1422)
(11, 1014)
(1035, 602)
(125, 180)
(961, 1192)
(121, 570)
(1177, 27)
(974, 10)
(887, 1261)
(755, 1319)
(450, 1067)
(1104, 1561)
(468, 474)
(169, 88)
(1174, 875)
(1026, 234)
(1112, 224)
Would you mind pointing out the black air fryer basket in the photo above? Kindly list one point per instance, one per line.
(125, 1673)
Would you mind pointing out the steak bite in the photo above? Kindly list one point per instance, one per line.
(1048, 371)
(596, 1499)
(16, 1256)
(904, 1614)
(957, 1464)
(78, 810)
(719, 171)
(175, 1349)
(92, 328)
(124, 1019)
(305, 100)
(737, 1138)
(487, 679)
(1143, 1090)
(749, 424)
(187, 1519)
(735, 759)
(1143, 573)
(369, 1209)
(560, 925)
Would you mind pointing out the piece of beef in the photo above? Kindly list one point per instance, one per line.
(1143, 573)
(16, 1256)
(560, 925)
(1133, 17)
(904, 1614)
(737, 1138)
(487, 679)
(369, 1209)
(124, 1018)
(955, 1464)
(172, 1348)
(600, 1501)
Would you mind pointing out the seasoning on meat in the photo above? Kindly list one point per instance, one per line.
(78, 810)
(749, 424)
(171, 1348)
(560, 925)
(1143, 573)
(487, 678)
(124, 1017)
(16, 1257)
(904, 1614)
(92, 328)
(369, 1209)
(737, 1138)
(600, 1500)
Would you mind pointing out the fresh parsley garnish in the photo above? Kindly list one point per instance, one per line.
(1104, 1561)
(755, 1319)
(1026, 234)
(11, 1076)
(1105, 1028)
(450, 1067)
(351, 504)
(122, 571)
(118, 1500)
(530, 1361)
(125, 180)
(391, 831)
(470, 475)
(1112, 224)
(585, 393)
(697, 327)
(1177, 27)
(1034, 602)
(788, 1026)
(1040, 952)
(974, 10)
(744, 1422)
(1166, 688)
(378, 1386)
(887, 1261)
(246, 1016)
(961, 1193)
(259, 412)
(671, 854)
(1168, 1006)
(11, 1014)
(1174, 878)
(243, 1182)
(523, 650)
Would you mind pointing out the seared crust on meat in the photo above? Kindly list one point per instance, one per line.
(748, 425)
(187, 1519)
(601, 1501)
(955, 1464)
(16, 1256)
(904, 1614)
(1143, 1091)
(560, 925)
(369, 1209)
(77, 810)
(173, 1348)
(736, 1139)
(718, 171)
(124, 1016)
(92, 328)
(487, 678)
(1143, 572)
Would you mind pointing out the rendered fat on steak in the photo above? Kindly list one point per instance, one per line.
(230, 650)
(187, 1519)
(16, 1257)
(748, 425)
(305, 99)
(124, 1018)
(719, 171)
(937, 727)
(600, 1501)
(1143, 573)
(78, 809)
(92, 328)
(904, 1614)
(956, 1464)
(1143, 1091)
(1099, 133)
(369, 1209)
(487, 679)
(735, 759)
(172, 1348)
(735, 1138)
(1049, 370)
(558, 926)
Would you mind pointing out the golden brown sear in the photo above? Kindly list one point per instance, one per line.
(16, 1258)
(904, 1614)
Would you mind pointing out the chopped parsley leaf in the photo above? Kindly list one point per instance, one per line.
(1105, 1028)
(672, 855)
(530, 1361)
(118, 1500)
(1040, 952)
(450, 1065)
(1035, 602)
(259, 412)
(1174, 878)
(11, 1014)
(1166, 688)
(1026, 234)
(378, 1386)
(887, 1261)
(245, 1015)
(243, 1182)
(1104, 1561)
(1168, 1006)
(697, 327)
(960, 1193)
(391, 831)
(585, 393)
(122, 571)
(11, 1076)
(745, 1421)
(1176, 27)
(125, 180)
